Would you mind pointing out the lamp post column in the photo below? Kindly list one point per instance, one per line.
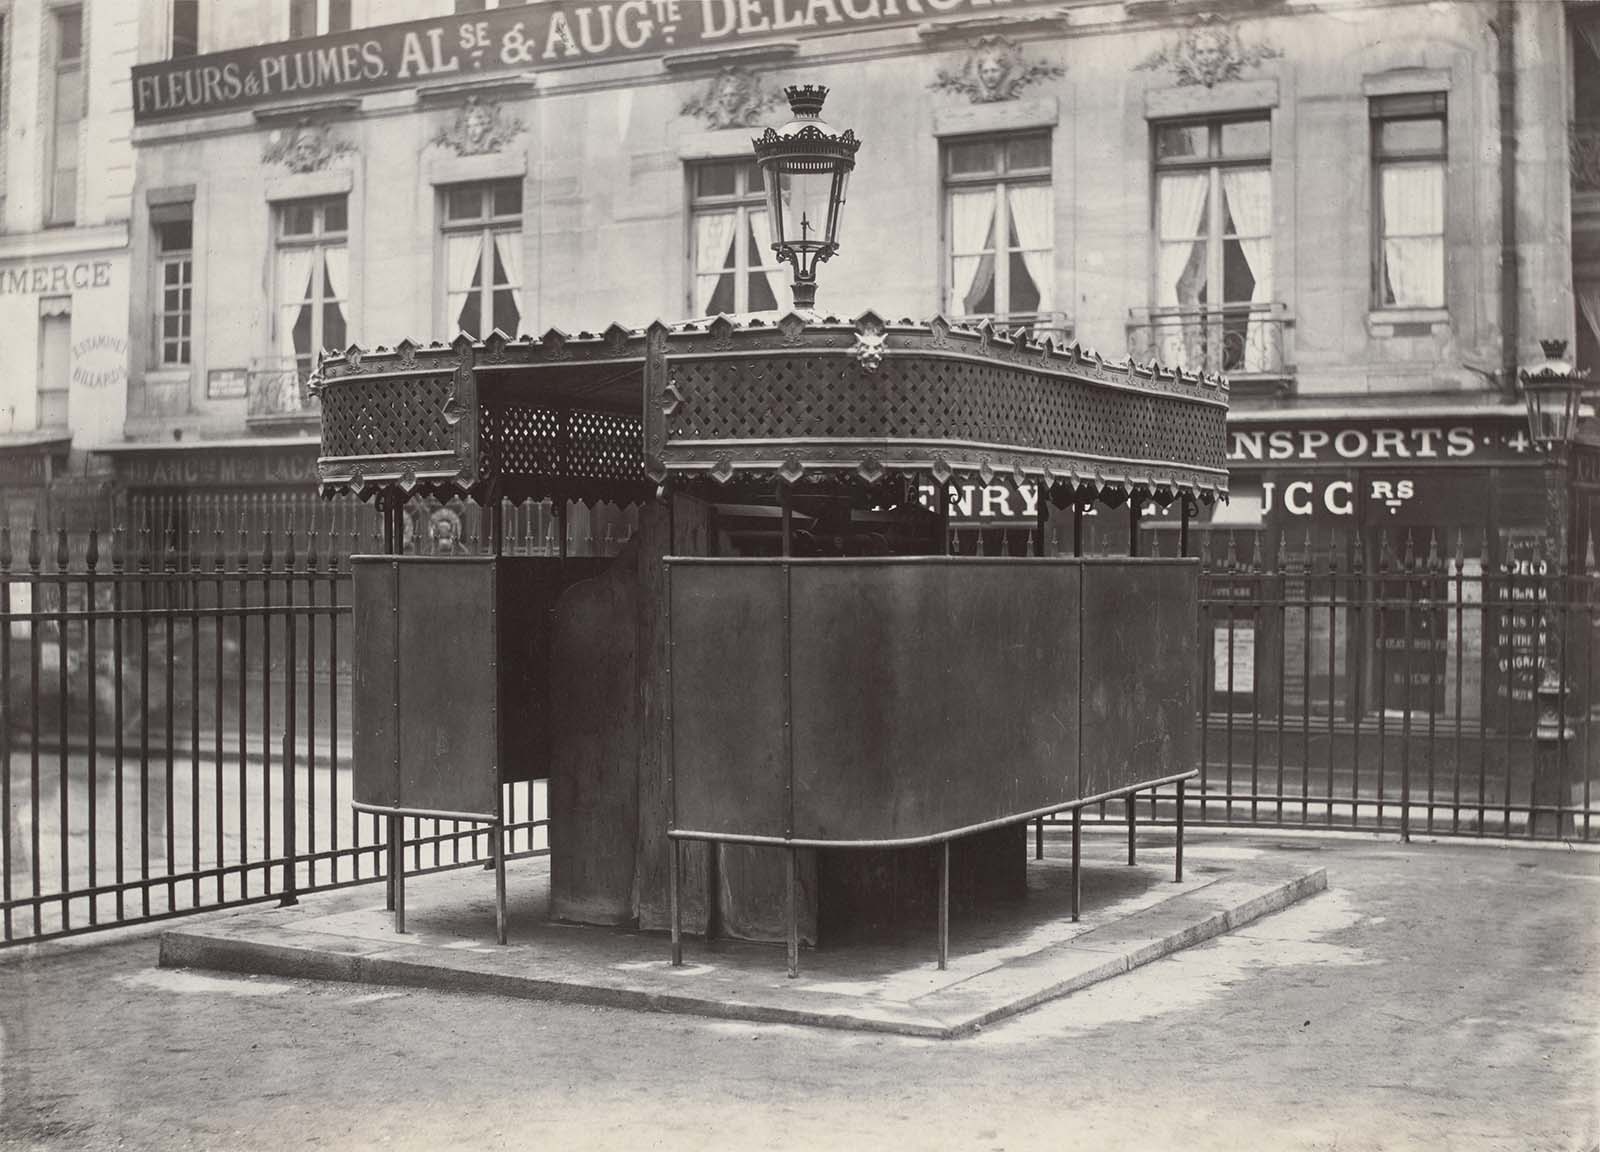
(1552, 390)
(1551, 732)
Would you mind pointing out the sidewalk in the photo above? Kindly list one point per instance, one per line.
(1435, 996)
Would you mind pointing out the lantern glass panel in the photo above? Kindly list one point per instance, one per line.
(804, 215)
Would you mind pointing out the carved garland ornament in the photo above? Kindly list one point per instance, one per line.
(994, 70)
(1209, 53)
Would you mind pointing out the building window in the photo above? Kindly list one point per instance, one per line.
(5, 87)
(999, 226)
(313, 280)
(185, 29)
(174, 244)
(483, 257)
(734, 268)
(1408, 154)
(55, 360)
(318, 18)
(1213, 239)
(66, 112)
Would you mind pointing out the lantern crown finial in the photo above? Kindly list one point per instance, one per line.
(805, 100)
(1553, 349)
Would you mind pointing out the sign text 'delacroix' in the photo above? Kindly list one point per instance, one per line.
(560, 34)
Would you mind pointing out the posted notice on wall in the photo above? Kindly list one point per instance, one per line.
(1233, 657)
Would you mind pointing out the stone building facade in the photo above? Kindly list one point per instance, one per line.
(66, 180)
(1361, 210)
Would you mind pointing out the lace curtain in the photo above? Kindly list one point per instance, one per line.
(1249, 196)
(462, 257)
(1413, 235)
(295, 266)
(1182, 207)
(713, 239)
(1031, 206)
(971, 271)
(508, 246)
(762, 262)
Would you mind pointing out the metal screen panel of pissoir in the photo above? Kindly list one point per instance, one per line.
(425, 685)
(921, 695)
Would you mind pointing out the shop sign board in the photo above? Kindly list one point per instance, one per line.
(218, 467)
(557, 34)
(1342, 445)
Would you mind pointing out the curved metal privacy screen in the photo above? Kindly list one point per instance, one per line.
(801, 397)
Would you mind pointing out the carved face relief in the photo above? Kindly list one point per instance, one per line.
(994, 70)
(478, 123)
(1209, 53)
(478, 127)
(733, 98)
(304, 148)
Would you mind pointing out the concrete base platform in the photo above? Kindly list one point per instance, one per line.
(1003, 960)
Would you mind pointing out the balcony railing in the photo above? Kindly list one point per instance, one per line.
(276, 394)
(1247, 341)
(1057, 326)
(1585, 157)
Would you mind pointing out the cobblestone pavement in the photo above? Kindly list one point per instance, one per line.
(1438, 995)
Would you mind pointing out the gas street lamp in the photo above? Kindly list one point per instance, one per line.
(805, 166)
(1552, 390)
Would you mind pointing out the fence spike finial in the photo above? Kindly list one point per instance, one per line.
(1588, 551)
(1411, 552)
(119, 547)
(33, 544)
(1279, 554)
(313, 524)
(1232, 562)
(289, 530)
(1461, 555)
(62, 555)
(5, 546)
(1381, 561)
(1358, 558)
(1433, 550)
(91, 553)
(1305, 549)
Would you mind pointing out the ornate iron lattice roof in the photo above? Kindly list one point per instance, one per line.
(794, 397)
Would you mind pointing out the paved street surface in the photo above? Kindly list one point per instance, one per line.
(1436, 996)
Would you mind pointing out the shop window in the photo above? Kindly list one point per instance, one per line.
(733, 265)
(318, 18)
(185, 29)
(1213, 243)
(1408, 158)
(174, 262)
(999, 227)
(55, 361)
(483, 257)
(313, 280)
(66, 112)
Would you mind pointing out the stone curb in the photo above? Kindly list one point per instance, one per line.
(927, 1017)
